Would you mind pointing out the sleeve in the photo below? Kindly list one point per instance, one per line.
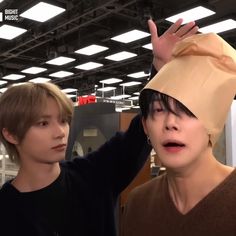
(153, 72)
(119, 159)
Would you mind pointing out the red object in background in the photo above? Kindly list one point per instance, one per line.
(86, 100)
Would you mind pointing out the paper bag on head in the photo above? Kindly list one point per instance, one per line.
(202, 76)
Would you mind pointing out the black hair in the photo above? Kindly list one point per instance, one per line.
(149, 96)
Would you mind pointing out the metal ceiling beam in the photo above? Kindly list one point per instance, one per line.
(47, 37)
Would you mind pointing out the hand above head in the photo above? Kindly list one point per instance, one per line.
(164, 44)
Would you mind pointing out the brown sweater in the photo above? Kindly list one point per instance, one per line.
(151, 212)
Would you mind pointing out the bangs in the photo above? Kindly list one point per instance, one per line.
(148, 97)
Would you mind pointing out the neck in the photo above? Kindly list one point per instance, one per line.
(188, 187)
(36, 177)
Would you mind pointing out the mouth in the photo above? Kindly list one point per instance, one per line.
(173, 145)
(60, 146)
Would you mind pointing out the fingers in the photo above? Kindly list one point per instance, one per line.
(193, 31)
(174, 27)
(152, 28)
(185, 29)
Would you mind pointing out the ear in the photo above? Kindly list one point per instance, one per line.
(9, 137)
(144, 126)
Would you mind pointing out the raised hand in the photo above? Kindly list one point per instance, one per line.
(164, 44)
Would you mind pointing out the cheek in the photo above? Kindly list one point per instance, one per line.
(200, 135)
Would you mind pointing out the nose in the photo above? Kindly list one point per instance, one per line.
(171, 121)
(59, 130)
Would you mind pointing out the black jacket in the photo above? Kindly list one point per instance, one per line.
(82, 200)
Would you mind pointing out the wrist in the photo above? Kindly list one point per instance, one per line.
(158, 63)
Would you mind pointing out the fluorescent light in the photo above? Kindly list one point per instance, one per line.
(69, 90)
(2, 90)
(42, 12)
(118, 97)
(120, 109)
(219, 27)
(34, 70)
(89, 66)
(3, 82)
(60, 61)
(13, 77)
(110, 81)
(40, 80)
(134, 98)
(128, 84)
(71, 95)
(140, 74)
(91, 50)
(191, 15)
(148, 46)
(1, 17)
(61, 74)
(137, 93)
(136, 107)
(10, 32)
(121, 56)
(130, 36)
(106, 89)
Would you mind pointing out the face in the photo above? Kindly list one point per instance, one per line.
(179, 140)
(46, 140)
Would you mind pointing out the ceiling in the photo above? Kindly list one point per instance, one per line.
(87, 22)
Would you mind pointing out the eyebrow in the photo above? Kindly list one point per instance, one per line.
(44, 116)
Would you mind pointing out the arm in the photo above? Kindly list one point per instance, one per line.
(118, 161)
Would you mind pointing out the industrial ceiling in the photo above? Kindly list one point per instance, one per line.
(86, 22)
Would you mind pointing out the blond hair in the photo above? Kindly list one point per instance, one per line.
(21, 106)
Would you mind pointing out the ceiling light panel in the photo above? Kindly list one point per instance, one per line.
(60, 61)
(10, 32)
(42, 12)
(121, 56)
(71, 95)
(137, 93)
(61, 74)
(34, 70)
(120, 109)
(140, 74)
(219, 27)
(40, 80)
(130, 36)
(89, 66)
(91, 50)
(132, 83)
(148, 46)
(69, 90)
(3, 82)
(134, 98)
(192, 15)
(118, 97)
(2, 90)
(106, 89)
(13, 77)
(110, 81)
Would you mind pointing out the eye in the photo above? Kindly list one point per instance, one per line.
(158, 110)
(64, 120)
(42, 123)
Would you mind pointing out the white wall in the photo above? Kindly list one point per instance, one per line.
(230, 132)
